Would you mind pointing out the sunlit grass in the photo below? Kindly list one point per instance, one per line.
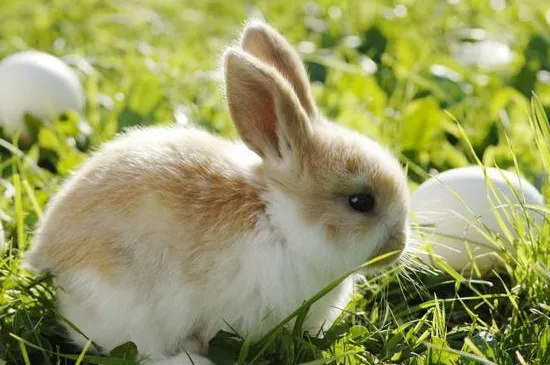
(372, 63)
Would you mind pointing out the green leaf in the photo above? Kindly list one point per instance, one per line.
(224, 348)
(69, 161)
(440, 355)
(128, 118)
(543, 350)
(33, 124)
(300, 319)
(422, 121)
(330, 359)
(67, 123)
(47, 139)
(126, 351)
(373, 43)
(317, 72)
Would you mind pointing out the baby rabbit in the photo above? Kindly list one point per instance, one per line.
(167, 234)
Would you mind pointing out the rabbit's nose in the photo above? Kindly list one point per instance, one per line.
(395, 244)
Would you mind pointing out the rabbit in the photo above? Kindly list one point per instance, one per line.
(166, 235)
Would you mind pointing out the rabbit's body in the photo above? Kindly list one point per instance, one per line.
(167, 235)
(210, 256)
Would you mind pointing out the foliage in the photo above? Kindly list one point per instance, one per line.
(395, 70)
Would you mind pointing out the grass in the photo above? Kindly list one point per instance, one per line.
(388, 69)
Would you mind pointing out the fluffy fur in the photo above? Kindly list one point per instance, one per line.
(166, 234)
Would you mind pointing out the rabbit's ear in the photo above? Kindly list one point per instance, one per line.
(265, 43)
(264, 107)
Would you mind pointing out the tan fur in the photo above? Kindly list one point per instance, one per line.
(85, 253)
(201, 208)
(214, 209)
(335, 167)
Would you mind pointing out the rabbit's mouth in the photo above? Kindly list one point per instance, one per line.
(391, 249)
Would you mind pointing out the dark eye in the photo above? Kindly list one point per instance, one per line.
(362, 202)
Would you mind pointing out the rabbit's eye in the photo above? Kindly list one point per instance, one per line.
(362, 202)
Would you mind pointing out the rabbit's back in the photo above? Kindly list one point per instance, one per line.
(138, 235)
(183, 191)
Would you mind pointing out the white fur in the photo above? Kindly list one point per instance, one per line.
(310, 243)
(161, 313)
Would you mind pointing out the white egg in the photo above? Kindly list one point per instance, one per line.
(36, 83)
(457, 214)
(486, 54)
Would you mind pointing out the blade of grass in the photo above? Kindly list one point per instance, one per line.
(83, 352)
(19, 212)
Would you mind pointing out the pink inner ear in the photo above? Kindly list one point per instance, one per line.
(269, 122)
(266, 116)
(263, 105)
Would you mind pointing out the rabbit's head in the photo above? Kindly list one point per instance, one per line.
(335, 192)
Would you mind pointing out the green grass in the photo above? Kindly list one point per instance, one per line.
(155, 61)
